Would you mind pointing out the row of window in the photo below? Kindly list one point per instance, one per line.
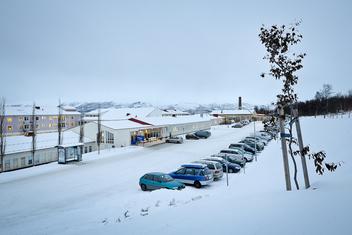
(106, 137)
(50, 125)
(27, 118)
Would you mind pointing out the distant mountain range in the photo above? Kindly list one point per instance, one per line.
(193, 108)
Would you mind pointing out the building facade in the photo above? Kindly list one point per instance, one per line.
(19, 119)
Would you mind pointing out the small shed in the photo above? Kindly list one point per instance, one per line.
(68, 153)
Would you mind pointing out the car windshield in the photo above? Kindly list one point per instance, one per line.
(166, 178)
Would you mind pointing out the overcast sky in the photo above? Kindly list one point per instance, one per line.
(164, 51)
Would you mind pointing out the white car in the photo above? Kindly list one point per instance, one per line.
(214, 167)
(237, 151)
(174, 140)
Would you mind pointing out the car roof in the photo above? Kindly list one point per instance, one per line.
(215, 158)
(205, 161)
(156, 173)
(194, 165)
(230, 149)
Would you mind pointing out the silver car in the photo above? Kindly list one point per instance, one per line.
(174, 140)
(214, 167)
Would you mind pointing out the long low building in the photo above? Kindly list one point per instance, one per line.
(145, 131)
(19, 154)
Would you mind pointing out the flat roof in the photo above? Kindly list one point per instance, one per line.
(123, 124)
(26, 110)
(160, 121)
(15, 144)
(233, 112)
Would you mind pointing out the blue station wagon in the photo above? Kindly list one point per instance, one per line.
(195, 174)
(157, 180)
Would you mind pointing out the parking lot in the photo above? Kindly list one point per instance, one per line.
(106, 186)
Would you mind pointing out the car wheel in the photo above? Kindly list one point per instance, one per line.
(230, 170)
(197, 184)
(143, 187)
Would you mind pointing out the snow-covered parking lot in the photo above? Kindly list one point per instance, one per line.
(101, 194)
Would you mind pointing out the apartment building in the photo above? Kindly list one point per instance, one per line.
(19, 119)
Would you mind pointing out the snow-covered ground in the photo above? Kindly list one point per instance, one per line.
(101, 194)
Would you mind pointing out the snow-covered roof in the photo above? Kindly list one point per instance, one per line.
(123, 124)
(12, 110)
(161, 121)
(123, 113)
(15, 144)
(233, 112)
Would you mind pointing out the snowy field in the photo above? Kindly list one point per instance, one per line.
(101, 194)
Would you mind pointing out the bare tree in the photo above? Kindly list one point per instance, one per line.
(59, 124)
(278, 42)
(81, 131)
(2, 132)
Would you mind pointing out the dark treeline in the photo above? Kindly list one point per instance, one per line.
(333, 104)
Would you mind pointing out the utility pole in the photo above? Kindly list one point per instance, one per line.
(284, 148)
(81, 133)
(301, 146)
(59, 125)
(99, 130)
(34, 133)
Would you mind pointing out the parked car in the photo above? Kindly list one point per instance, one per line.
(252, 144)
(247, 155)
(214, 167)
(232, 167)
(243, 146)
(192, 137)
(244, 122)
(195, 174)
(232, 158)
(237, 125)
(203, 134)
(157, 180)
(175, 140)
(264, 142)
(265, 135)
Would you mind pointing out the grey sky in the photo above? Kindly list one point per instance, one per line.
(163, 51)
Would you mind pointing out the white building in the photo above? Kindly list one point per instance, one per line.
(145, 126)
(18, 151)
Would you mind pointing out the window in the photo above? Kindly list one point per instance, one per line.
(9, 120)
(109, 137)
(190, 171)
(23, 161)
(149, 177)
(37, 118)
(86, 149)
(7, 165)
(211, 166)
(90, 148)
(157, 178)
(50, 125)
(181, 171)
(9, 128)
(26, 118)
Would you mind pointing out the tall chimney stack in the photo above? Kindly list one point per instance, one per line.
(240, 103)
